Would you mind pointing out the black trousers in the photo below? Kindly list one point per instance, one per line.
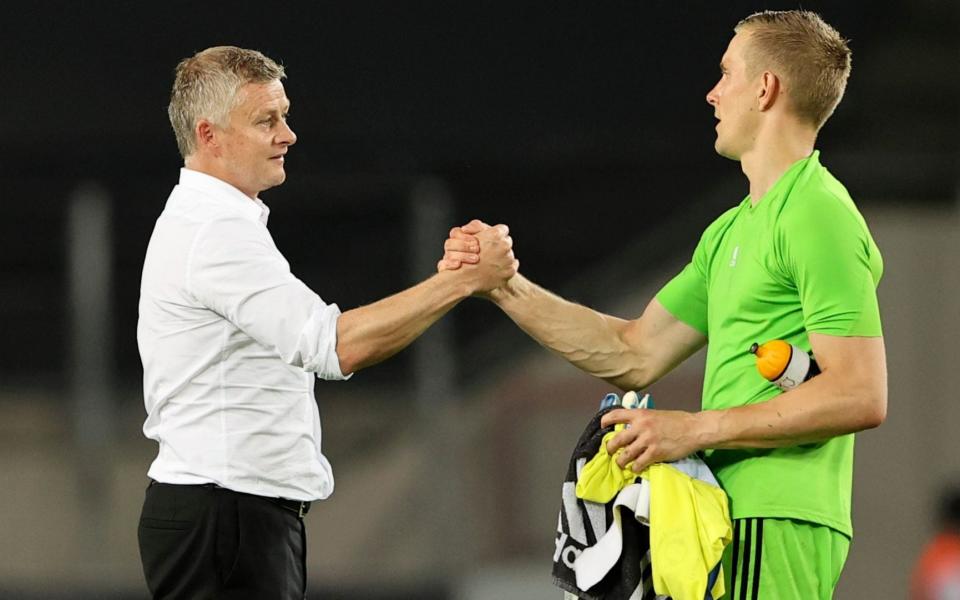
(202, 541)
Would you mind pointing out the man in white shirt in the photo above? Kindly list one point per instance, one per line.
(230, 341)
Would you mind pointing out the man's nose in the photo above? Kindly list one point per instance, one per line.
(712, 96)
(287, 136)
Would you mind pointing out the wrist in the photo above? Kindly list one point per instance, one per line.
(506, 292)
(456, 283)
(707, 429)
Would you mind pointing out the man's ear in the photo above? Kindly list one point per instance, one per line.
(206, 135)
(770, 90)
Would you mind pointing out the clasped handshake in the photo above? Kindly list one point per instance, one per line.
(485, 254)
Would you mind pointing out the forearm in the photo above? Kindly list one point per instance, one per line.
(590, 340)
(823, 407)
(849, 395)
(369, 334)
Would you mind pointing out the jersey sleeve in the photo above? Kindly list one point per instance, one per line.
(685, 296)
(827, 252)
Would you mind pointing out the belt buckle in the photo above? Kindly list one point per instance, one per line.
(300, 512)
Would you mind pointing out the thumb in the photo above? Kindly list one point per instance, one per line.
(448, 264)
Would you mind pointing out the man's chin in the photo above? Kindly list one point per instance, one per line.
(278, 178)
(724, 151)
(272, 182)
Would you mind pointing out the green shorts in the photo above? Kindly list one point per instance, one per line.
(783, 559)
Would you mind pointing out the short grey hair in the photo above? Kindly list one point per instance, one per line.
(206, 84)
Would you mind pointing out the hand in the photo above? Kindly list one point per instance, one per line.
(462, 247)
(497, 262)
(652, 436)
(485, 252)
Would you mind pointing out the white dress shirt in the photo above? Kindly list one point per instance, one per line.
(229, 340)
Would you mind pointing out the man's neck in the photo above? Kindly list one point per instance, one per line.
(777, 148)
(213, 169)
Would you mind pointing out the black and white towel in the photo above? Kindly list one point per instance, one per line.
(582, 524)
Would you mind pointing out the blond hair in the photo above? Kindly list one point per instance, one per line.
(806, 53)
(206, 86)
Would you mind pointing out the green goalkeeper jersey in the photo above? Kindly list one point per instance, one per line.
(802, 260)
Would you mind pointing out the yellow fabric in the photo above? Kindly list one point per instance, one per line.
(689, 521)
(601, 479)
(689, 528)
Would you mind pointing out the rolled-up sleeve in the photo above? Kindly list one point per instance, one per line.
(235, 269)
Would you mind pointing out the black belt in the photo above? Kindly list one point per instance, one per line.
(298, 507)
(301, 507)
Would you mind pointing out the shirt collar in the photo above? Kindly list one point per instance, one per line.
(252, 208)
(799, 170)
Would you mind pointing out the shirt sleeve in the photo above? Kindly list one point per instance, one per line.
(237, 271)
(826, 251)
(685, 296)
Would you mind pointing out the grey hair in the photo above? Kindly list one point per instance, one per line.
(206, 86)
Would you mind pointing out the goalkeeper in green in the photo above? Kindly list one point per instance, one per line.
(794, 260)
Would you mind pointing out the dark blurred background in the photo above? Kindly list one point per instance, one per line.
(582, 125)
